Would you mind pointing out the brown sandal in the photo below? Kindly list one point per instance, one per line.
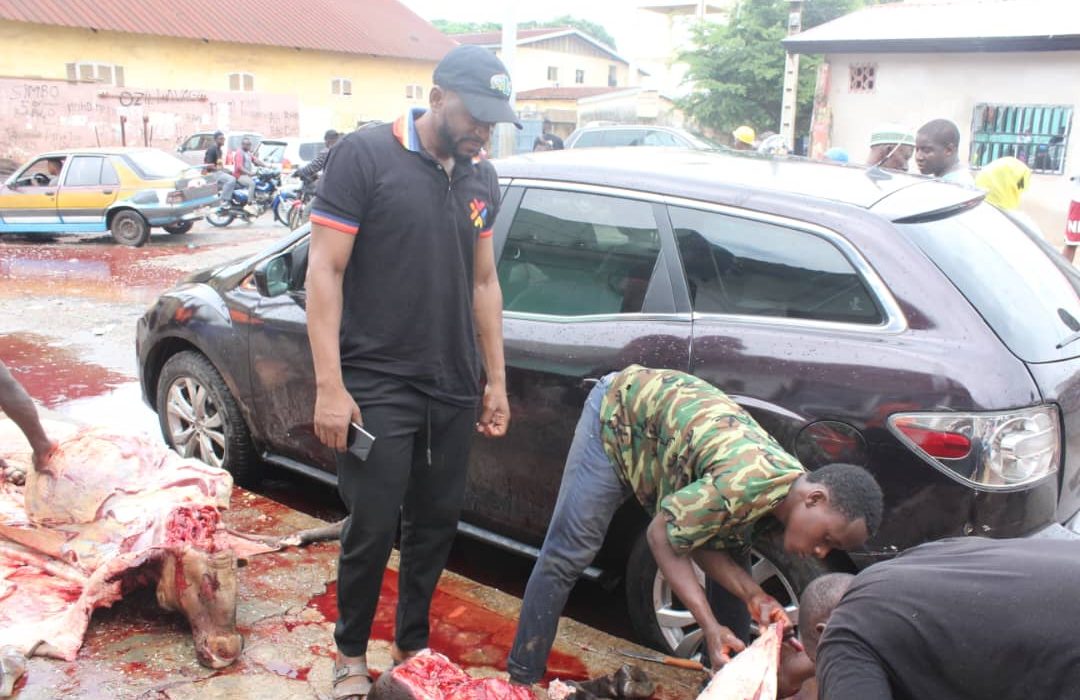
(351, 680)
(398, 657)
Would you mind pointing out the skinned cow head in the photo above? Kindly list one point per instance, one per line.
(202, 586)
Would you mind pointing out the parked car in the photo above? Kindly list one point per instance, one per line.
(125, 191)
(890, 321)
(193, 149)
(637, 135)
(289, 153)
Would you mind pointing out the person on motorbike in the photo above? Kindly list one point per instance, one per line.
(214, 168)
(244, 164)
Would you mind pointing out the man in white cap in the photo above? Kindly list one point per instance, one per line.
(891, 146)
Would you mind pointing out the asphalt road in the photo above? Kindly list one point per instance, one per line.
(68, 307)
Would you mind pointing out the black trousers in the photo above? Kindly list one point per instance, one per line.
(416, 472)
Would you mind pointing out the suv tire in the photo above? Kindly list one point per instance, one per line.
(193, 400)
(670, 628)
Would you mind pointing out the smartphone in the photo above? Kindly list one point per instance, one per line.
(360, 441)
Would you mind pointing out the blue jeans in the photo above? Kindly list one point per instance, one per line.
(590, 493)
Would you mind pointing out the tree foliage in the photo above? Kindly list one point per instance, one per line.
(737, 68)
(596, 31)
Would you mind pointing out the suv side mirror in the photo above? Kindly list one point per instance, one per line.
(272, 276)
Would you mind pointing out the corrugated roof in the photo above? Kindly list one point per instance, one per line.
(948, 26)
(565, 93)
(372, 27)
(495, 38)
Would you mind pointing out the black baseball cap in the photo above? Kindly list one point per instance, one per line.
(482, 81)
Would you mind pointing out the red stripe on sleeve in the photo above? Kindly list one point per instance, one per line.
(334, 224)
(486, 234)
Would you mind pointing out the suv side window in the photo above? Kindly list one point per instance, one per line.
(625, 137)
(84, 171)
(753, 268)
(576, 254)
(590, 139)
(660, 138)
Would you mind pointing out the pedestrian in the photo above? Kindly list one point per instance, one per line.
(743, 138)
(313, 168)
(244, 164)
(711, 479)
(546, 142)
(959, 619)
(891, 146)
(1072, 222)
(214, 168)
(402, 288)
(1004, 180)
(937, 144)
(550, 136)
(17, 405)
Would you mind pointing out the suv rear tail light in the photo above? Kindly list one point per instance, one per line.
(1004, 451)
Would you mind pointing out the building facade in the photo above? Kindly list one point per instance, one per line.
(1003, 70)
(150, 72)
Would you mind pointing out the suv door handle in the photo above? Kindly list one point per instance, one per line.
(50, 194)
(106, 192)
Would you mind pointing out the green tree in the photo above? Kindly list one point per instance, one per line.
(593, 29)
(738, 68)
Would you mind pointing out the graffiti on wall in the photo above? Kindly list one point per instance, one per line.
(43, 115)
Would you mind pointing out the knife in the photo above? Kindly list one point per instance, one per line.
(689, 664)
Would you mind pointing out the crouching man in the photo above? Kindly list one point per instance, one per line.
(959, 619)
(709, 475)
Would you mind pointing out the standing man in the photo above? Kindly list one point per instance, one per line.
(244, 165)
(1072, 222)
(937, 145)
(16, 404)
(401, 286)
(891, 147)
(709, 477)
(309, 171)
(743, 138)
(959, 619)
(214, 168)
(551, 137)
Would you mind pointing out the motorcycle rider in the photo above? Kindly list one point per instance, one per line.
(214, 168)
(244, 164)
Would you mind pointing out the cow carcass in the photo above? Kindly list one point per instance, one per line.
(111, 511)
(753, 673)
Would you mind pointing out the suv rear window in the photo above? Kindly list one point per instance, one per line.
(310, 149)
(1009, 279)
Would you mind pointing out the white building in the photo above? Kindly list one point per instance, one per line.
(1007, 72)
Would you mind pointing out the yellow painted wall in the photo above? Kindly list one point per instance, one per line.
(531, 69)
(150, 62)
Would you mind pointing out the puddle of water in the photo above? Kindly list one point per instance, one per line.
(121, 409)
(105, 272)
(54, 375)
(467, 633)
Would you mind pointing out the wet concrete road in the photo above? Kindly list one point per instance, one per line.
(68, 308)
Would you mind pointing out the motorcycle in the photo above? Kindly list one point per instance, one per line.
(267, 183)
(300, 208)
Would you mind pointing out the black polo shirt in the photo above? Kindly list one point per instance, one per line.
(408, 289)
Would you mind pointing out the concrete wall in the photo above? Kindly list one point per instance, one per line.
(163, 64)
(915, 88)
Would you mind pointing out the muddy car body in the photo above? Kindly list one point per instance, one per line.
(860, 316)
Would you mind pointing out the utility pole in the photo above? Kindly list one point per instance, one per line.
(791, 79)
(508, 132)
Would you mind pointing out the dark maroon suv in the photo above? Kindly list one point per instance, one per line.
(861, 316)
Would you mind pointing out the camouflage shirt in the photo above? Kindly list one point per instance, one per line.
(688, 450)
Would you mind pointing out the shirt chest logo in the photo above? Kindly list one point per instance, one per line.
(478, 213)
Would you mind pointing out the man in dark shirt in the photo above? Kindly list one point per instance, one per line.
(214, 167)
(401, 286)
(958, 619)
(309, 171)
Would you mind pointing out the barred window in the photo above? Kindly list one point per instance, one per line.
(241, 82)
(862, 77)
(553, 73)
(341, 86)
(88, 72)
(414, 92)
(1036, 134)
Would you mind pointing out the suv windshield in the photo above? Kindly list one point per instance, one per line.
(1009, 279)
(157, 165)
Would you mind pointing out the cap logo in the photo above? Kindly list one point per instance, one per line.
(500, 83)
